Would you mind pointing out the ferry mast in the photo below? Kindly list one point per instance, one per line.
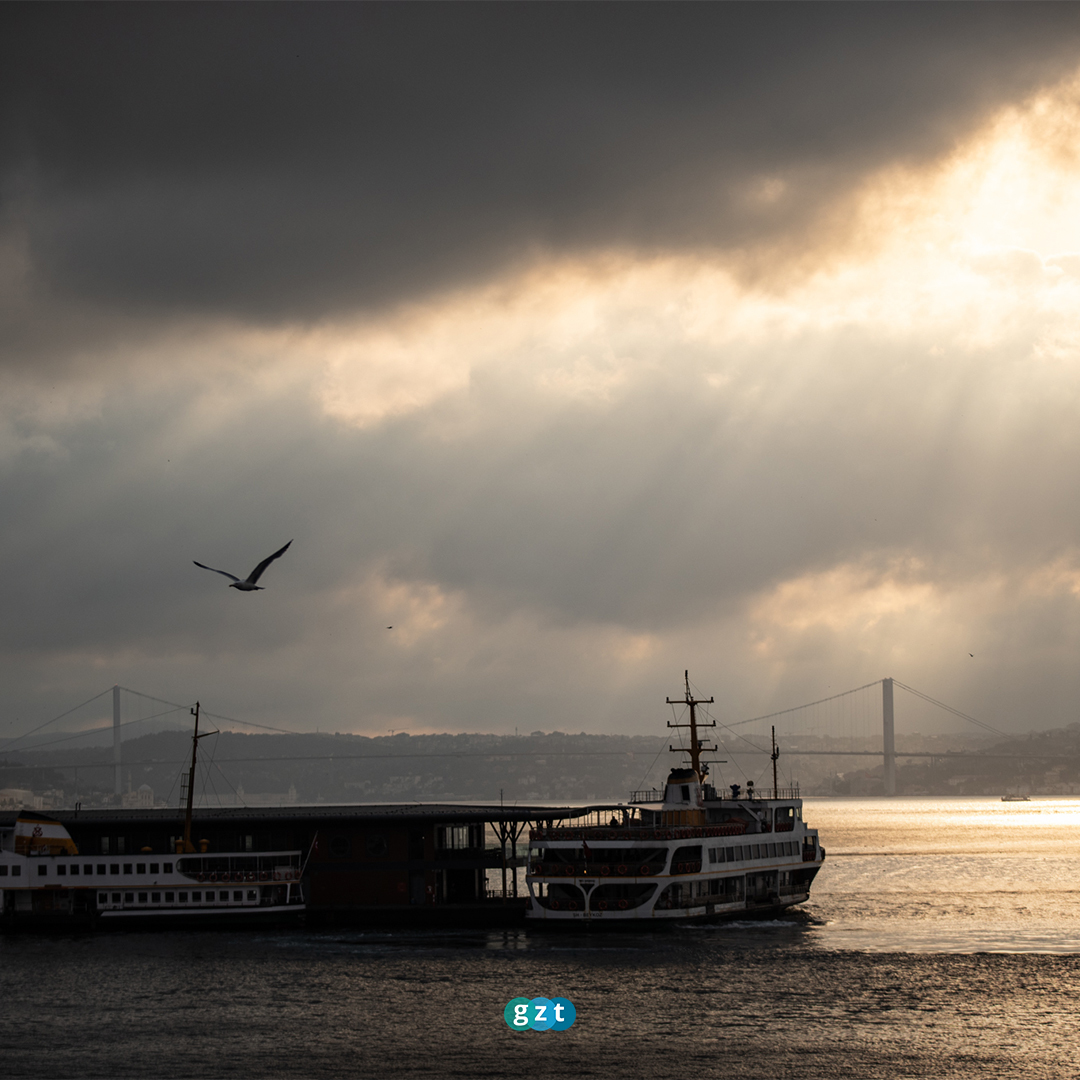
(696, 745)
(186, 844)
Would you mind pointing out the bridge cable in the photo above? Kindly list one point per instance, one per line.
(949, 708)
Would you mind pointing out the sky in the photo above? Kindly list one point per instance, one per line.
(572, 346)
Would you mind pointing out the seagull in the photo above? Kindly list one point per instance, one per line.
(248, 585)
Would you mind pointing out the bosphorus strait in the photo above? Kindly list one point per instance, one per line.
(923, 953)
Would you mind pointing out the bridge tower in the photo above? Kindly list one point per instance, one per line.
(116, 739)
(889, 736)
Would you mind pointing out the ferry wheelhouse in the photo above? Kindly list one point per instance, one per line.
(686, 852)
(44, 878)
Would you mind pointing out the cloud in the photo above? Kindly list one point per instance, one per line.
(578, 368)
(284, 164)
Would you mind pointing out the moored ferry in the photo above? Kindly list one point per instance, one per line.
(686, 852)
(46, 880)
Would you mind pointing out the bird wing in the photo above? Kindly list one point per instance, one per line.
(225, 572)
(258, 571)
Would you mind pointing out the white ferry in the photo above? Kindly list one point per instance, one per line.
(683, 853)
(45, 880)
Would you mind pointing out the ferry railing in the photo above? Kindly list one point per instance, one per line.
(681, 832)
(647, 795)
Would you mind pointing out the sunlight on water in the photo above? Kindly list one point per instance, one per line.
(947, 875)
(947, 825)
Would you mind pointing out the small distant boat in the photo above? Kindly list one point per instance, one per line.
(1016, 798)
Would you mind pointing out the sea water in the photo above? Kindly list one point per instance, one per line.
(942, 940)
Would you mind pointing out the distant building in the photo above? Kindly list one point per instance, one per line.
(143, 799)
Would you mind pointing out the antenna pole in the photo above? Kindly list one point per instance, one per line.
(775, 755)
(188, 846)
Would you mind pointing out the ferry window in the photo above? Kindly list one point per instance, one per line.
(252, 895)
(116, 897)
(153, 868)
(104, 845)
(100, 868)
(120, 845)
(238, 895)
(168, 897)
(140, 868)
(16, 871)
(74, 868)
(127, 868)
(3, 871)
(377, 846)
(42, 871)
(196, 897)
(114, 868)
(88, 868)
(223, 895)
(339, 847)
(772, 851)
(686, 792)
(731, 856)
(168, 868)
(61, 869)
(129, 898)
(756, 853)
(182, 897)
(142, 898)
(102, 897)
(155, 898)
(249, 843)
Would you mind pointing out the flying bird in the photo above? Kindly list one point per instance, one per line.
(248, 584)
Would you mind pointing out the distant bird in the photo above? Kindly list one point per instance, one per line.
(248, 585)
(971, 654)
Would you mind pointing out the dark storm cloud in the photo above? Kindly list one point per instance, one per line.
(285, 161)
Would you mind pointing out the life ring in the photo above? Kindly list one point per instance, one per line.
(213, 877)
(200, 877)
(680, 868)
(622, 905)
(601, 905)
(568, 871)
(605, 870)
(572, 906)
(553, 904)
(622, 869)
(263, 875)
(645, 870)
(277, 875)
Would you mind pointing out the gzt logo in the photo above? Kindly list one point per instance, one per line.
(539, 1014)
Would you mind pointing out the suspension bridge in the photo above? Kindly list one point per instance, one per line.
(845, 725)
(855, 723)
